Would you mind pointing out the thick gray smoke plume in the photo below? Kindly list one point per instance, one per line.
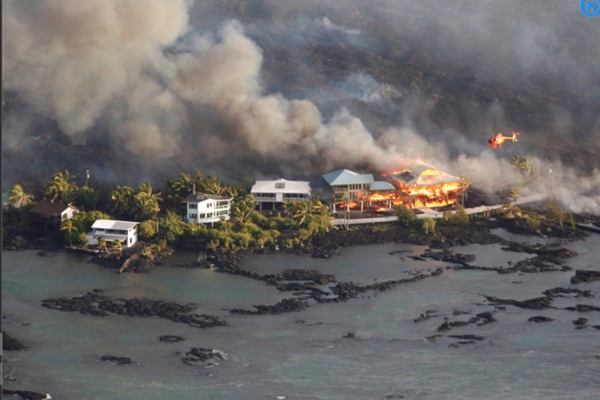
(157, 87)
(79, 62)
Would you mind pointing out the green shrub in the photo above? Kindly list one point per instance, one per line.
(406, 216)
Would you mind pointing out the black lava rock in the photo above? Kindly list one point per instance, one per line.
(540, 318)
(117, 360)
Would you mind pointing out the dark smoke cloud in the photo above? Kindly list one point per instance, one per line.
(180, 85)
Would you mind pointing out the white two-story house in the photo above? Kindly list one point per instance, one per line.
(207, 208)
(270, 194)
(125, 232)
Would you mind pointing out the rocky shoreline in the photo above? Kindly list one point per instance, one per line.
(308, 287)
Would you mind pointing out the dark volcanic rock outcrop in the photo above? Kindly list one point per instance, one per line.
(585, 276)
(568, 292)
(25, 394)
(94, 303)
(539, 318)
(284, 306)
(538, 303)
(198, 356)
(117, 360)
(170, 339)
(583, 308)
(580, 321)
(449, 256)
(307, 275)
(11, 344)
(348, 290)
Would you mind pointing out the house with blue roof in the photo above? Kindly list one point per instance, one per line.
(353, 185)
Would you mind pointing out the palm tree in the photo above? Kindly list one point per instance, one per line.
(177, 189)
(464, 181)
(524, 166)
(122, 201)
(18, 198)
(320, 216)
(117, 245)
(342, 198)
(535, 174)
(147, 203)
(67, 225)
(231, 192)
(59, 189)
(102, 244)
(242, 209)
(515, 161)
(302, 210)
(289, 206)
(224, 224)
(211, 185)
(513, 196)
(429, 225)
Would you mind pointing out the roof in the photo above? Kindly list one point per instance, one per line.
(419, 174)
(347, 177)
(200, 197)
(47, 208)
(381, 185)
(110, 224)
(281, 186)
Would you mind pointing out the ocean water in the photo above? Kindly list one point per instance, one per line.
(366, 348)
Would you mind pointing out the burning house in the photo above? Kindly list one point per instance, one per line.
(382, 195)
(415, 185)
(420, 185)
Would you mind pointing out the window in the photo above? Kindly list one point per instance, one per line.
(202, 216)
(223, 204)
(193, 206)
(193, 216)
(279, 185)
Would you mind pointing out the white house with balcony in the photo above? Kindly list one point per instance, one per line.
(125, 232)
(207, 208)
(270, 194)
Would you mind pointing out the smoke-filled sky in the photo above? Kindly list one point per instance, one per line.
(293, 89)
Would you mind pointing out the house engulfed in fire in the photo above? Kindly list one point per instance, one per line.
(421, 185)
(415, 185)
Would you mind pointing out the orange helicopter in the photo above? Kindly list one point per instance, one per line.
(497, 140)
